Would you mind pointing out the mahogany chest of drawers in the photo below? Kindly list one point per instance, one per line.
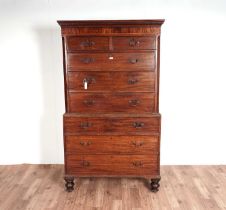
(112, 121)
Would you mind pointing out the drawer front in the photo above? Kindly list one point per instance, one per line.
(113, 125)
(134, 43)
(112, 165)
(110, 103)
(112, 61)
(112, 144)
(74, 43)
(112, 81)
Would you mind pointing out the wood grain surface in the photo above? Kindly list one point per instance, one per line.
(134, 43)
(115, 126)
(74, 43)
(112, 144)
(111, 103)
(112, 61)
(112, 81)
(113, 165)
(41, 187)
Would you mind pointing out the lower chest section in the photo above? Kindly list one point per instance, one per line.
(113, 145)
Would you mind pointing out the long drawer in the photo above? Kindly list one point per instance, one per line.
(111, 102)
(111, 125)
(112, 61)
(112, 81)
(138, 165)
(112, 144)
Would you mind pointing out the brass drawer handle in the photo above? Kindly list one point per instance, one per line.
(87, 43)
(137, 163)
(134, 43)
(138, 124)
(85, 125)
(89, 102)
(134, 102)
(87, 60)
(133, 60)
(137, 144)
(89, 80)
(85, 163)
(85, 143)
(132, 81)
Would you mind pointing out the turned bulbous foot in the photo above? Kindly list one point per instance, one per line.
(69, 183)
(154, 184)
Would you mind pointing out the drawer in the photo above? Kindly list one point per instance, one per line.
(111, 125)
(138, 165)
(74, 43)
(111, 102)
(112, 144)
(112, 81)
(112, 61)
(134, 43)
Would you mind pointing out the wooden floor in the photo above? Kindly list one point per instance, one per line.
(42, 187)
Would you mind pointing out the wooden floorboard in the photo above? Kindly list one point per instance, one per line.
(24, 187)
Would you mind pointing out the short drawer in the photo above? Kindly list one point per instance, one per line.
(111, 144)
(112, 61)
(111, 125)
(111, 102)
(138, 165)
(112, 81)
(134, 43)
(74, 43)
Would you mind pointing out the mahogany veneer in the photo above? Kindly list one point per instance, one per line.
(120, 102)
(112, 122)
(120, 62)
(102, 165)
(126, 81)
(112, 144)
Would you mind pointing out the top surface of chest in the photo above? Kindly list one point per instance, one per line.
(111, 27)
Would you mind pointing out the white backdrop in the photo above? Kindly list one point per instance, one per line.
(192, 85)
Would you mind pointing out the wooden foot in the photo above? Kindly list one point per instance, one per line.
(154, 184)
(69, 183)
